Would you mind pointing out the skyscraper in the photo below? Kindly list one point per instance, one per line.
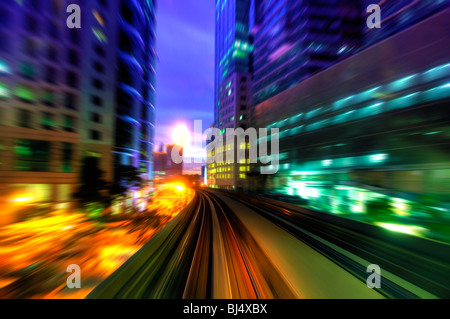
(67, 93)
(99, 42)
(134, 107)
(40, 104)
(233, 61)
(232, 57)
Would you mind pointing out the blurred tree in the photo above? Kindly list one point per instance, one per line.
(127, 177)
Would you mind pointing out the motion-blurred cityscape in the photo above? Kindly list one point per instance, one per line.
(358, 95)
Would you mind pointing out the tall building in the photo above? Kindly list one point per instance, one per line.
(233, 48)
(134, 90)
(118, 84)
(40, 106)
(233, 61)
(99, 42)
(70, 93)
(296, 39)
(118, 39)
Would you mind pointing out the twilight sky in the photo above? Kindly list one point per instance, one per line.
(185, 71)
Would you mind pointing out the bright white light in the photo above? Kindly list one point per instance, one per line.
(327, 162)
(379, 157)
(21, 200)
(181, 135)
(412, 230)
(4, 67)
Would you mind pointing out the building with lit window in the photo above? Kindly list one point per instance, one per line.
(134, 87)
(233, 61)
(373, 125)
(67, 93)
(40, 104)
(118, 84)
(99, 41)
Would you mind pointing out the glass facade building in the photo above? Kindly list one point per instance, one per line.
(233, 62)
(135, 87)
(67, 93)
(233, 46)
(118, 102)
(295, 39)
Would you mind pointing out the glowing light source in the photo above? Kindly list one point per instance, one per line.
(401, 207)
(22, 200)
(411, 230)
(327, 162)
(342, 49)
(377, 158)
(98, 17)
(181, 135)
(179, 188)
(4, 68)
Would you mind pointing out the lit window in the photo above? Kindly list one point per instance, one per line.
(100, 35)
(32, 156)
(48, 121)
(25, 93)
(4, 91)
